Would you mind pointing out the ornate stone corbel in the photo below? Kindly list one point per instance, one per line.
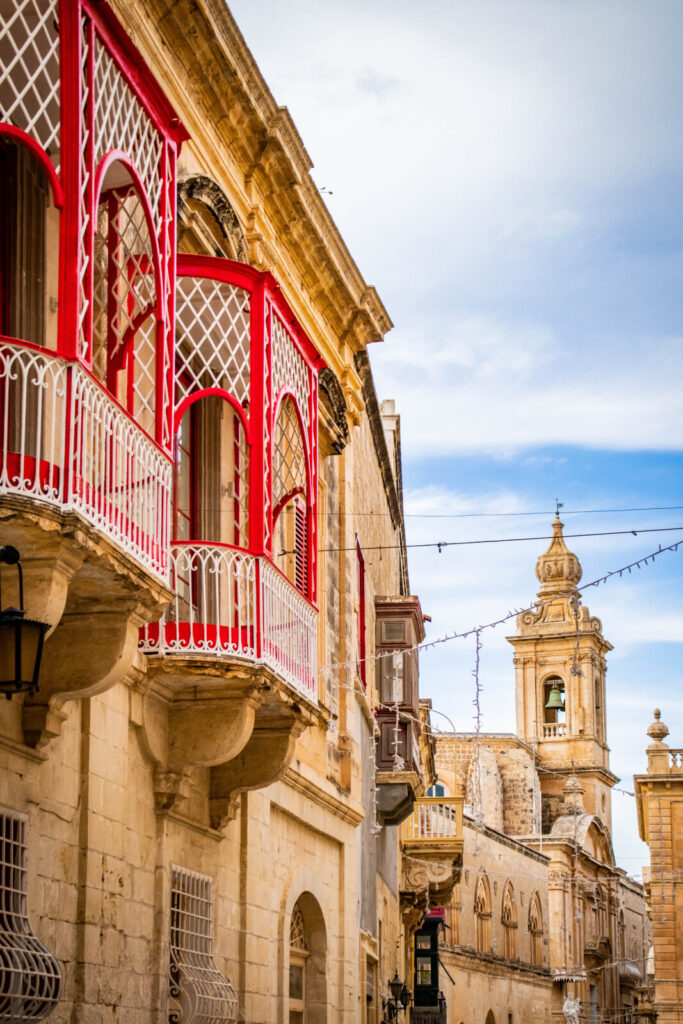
(262, 761)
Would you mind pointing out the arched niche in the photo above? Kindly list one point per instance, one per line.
(207, 220)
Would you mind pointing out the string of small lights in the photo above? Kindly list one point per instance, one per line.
(442, 544)
(535, 606)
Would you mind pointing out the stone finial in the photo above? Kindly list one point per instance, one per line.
(658, 730)
(573, 796)
(558, 569)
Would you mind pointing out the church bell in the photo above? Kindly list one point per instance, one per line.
(555, 702)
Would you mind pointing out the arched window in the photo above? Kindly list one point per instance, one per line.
(482, 914)
(438, 789)
(307, 963)
(298, 954)
(490, 1019)
(290, 542)
(509, 921)
(125, 301)
(29, 247)
(536, 931)
(554, 714)
(212, 474)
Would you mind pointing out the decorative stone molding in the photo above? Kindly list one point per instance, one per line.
(207, 191)
(334, 410)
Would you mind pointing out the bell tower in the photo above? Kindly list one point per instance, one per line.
(560, 685)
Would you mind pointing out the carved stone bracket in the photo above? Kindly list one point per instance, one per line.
(429, 878)
(263, 761)
(334, 410)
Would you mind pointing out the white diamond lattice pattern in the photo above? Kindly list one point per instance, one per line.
(289, 457)
(194, 980)
(121, 122)
(29, 69)
(30, 978)
(289, 369)
(212, 338)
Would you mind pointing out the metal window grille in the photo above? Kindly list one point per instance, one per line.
(212, 349)
(198, 992)
(289, 457)
(297, 930)
(289, 369)
(29, 69)
(30, 977)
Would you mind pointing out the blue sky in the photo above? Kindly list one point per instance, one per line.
(507, 173)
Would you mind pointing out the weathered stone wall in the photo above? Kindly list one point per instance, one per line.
(486, 980)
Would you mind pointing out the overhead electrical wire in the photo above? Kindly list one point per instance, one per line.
(440, 544)
(492, 515)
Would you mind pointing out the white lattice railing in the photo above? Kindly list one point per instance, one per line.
(554, 730)
(288, 631)
(230, 602)
(214, 610)
(120, 481)
(65, 442)
(434, 819)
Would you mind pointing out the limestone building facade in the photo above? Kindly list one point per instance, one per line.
(201, 804)
(659, 800)
(541, 909)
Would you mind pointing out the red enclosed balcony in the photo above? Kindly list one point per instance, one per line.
(243, 557)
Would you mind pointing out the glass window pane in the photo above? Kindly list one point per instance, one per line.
(424, 970)
(423, 941)
(392, 678)
(296, 981)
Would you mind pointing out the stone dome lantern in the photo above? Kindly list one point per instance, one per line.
(558, 570)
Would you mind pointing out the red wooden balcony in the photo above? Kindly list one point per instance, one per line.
(245, 429)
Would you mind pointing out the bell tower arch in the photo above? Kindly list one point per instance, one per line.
(560, 666)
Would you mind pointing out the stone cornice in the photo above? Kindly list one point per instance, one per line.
(375, 417)
(499, 837)
(354, 815)
(489, 963)
(205, 66)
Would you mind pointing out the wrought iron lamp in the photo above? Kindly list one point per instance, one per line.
(21, 639)
(400, 998)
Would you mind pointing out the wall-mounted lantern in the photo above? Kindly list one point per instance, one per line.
(400, 998)
(21, 639)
